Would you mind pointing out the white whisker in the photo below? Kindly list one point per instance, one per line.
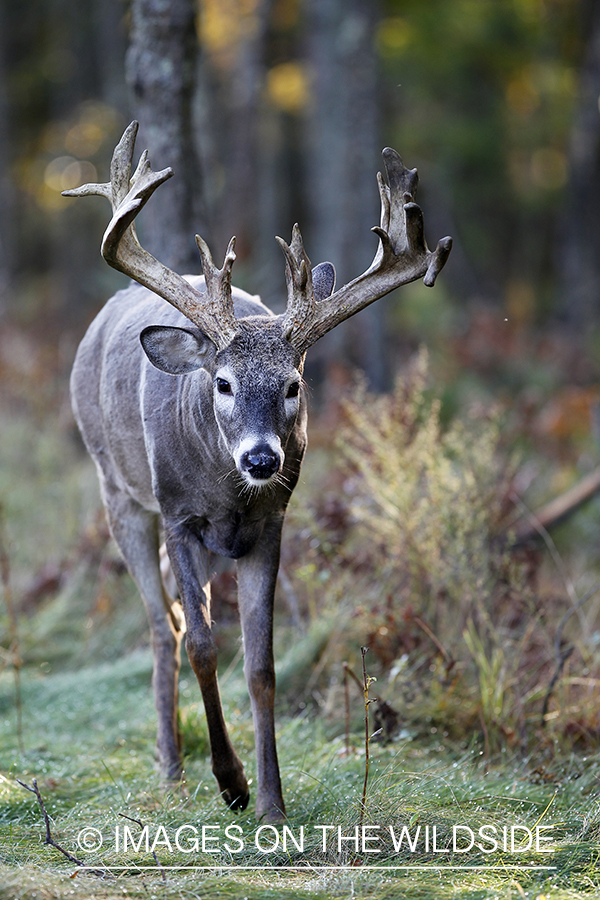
(226, 475)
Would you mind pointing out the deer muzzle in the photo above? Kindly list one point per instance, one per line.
(259, 462)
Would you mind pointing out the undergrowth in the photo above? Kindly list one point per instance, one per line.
(412, 556)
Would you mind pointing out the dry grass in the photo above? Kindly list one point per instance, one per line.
(409, 554)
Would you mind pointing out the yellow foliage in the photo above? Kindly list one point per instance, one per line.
(224, 24)
(287, 87)
(393, 35)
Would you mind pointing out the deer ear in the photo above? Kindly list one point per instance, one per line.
(176, 351)
(323, 278)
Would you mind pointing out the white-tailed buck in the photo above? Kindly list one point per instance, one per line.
(195, 415)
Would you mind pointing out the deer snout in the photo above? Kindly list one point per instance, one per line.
(260, 462)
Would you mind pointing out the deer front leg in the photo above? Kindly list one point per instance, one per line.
(189, 561)
(257, 575)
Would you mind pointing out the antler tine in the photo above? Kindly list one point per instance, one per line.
(402, 256)
(218, 287)
(126, 195)
(301, 302)
(212, 311)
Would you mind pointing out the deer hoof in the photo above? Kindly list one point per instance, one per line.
(236, 801)
(171, 769)
(271, 813)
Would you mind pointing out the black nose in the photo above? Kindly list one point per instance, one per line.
(260, 462)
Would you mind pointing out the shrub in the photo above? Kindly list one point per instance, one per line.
(417, 566)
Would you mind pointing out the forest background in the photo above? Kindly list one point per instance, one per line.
(408, 536)
(276, 111)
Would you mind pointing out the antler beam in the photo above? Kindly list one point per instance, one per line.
(211, 311)
(402, 256)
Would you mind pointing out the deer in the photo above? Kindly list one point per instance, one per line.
(195, 414)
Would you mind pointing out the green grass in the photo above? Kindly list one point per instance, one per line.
(89, 738)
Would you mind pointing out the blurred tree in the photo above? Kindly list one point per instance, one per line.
(54, 127)
(6, 192)
(579, 238)
(481, 95)
(342, 154)
(161, 69)
(229, 112)
(287, 103)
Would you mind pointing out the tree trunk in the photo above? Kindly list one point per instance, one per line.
(228, 132)
(579, 240)
(110, 46)
(160, 68)
(343, 158)
(6, 191)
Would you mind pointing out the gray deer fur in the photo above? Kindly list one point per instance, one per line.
(196, 419)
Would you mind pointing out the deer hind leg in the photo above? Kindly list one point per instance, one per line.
(189, 561)
(135, 531)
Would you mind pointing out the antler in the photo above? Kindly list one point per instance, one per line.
(402, 256)
(212, 311)
(298, 277)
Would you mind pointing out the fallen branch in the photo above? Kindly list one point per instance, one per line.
(557, 510)
(49, 839)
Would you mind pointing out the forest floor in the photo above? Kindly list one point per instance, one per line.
(438, 822)
(450, 812)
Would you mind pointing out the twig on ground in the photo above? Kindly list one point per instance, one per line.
(33, 788)
(156, 859)
(367, 682)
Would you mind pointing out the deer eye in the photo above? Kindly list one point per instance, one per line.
(293, 390)
(223, 386)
